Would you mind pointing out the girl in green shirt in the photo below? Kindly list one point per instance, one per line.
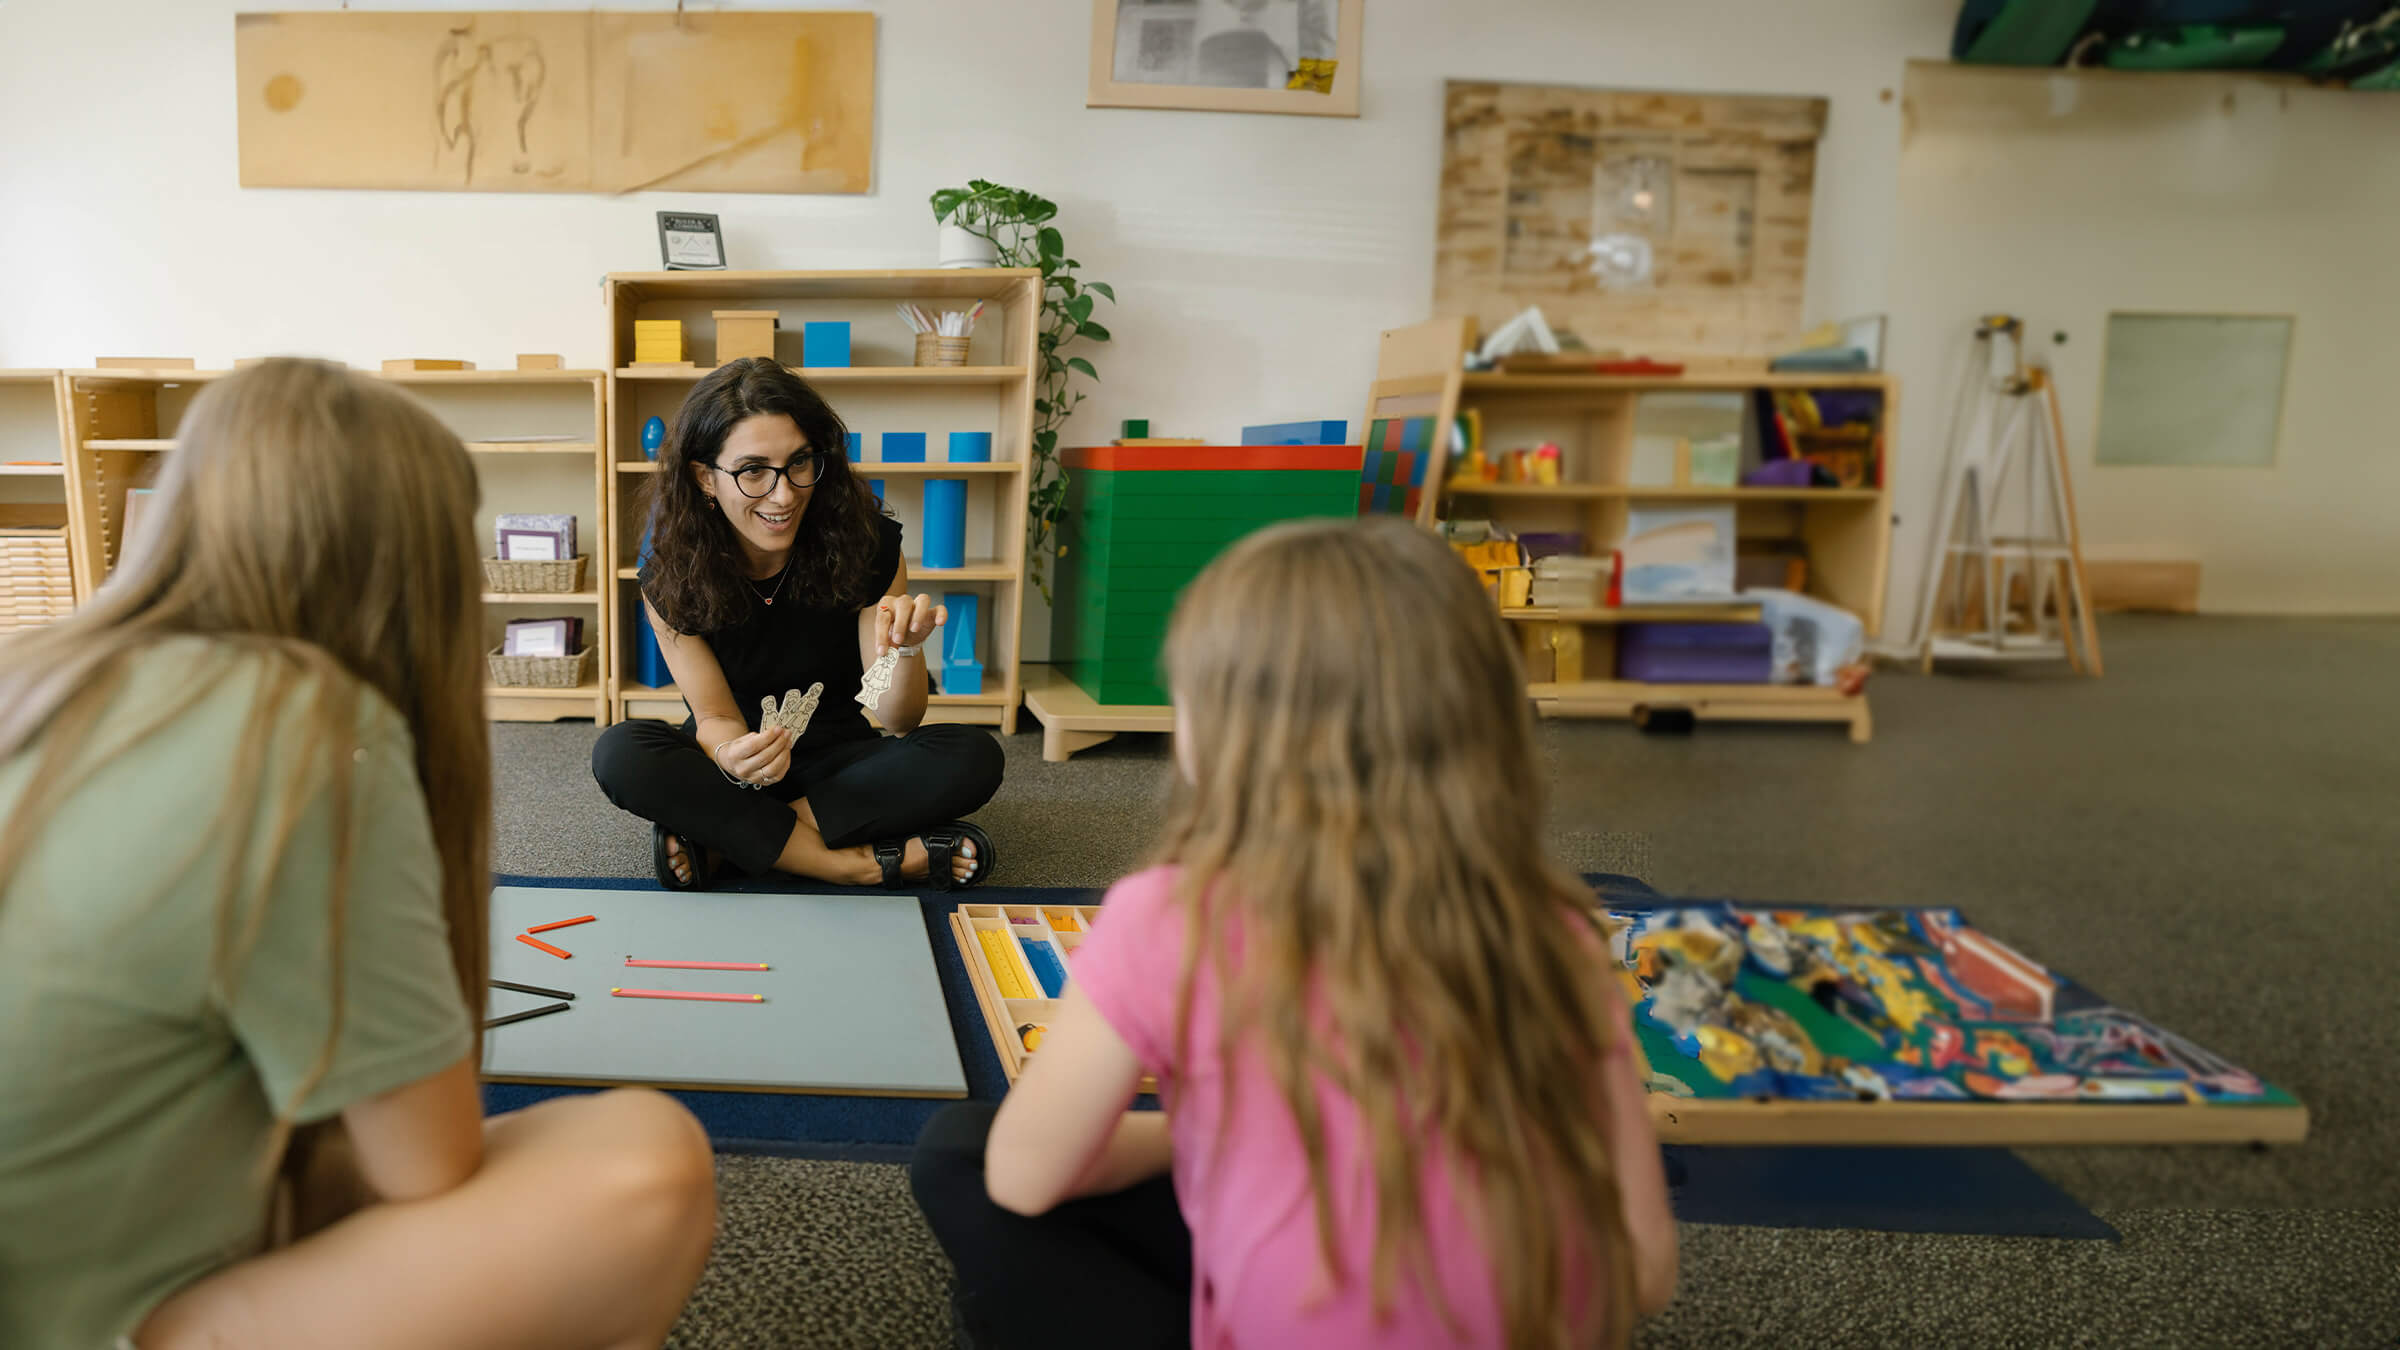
(243, 884)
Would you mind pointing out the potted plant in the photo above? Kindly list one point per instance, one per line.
(1016, 224)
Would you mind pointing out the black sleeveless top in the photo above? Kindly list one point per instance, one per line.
(789, 645)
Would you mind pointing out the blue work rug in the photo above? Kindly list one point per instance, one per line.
(1930, 1190)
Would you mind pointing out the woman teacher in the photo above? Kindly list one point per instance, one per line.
(775, 583)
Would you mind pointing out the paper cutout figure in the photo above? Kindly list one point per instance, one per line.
(877, 681)
(796, 710)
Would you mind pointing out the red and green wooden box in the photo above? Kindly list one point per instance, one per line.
(1141, 521)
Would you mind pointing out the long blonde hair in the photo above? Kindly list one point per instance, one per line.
(325, 522)
(1364, 806)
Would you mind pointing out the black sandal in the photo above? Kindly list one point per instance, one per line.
(941, 845)
(664, 865)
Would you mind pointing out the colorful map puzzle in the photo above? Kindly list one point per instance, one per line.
(1809, 1004)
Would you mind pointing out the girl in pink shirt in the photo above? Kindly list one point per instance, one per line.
(1400, 1101)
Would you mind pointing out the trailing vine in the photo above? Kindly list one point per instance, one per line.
(1016, 223)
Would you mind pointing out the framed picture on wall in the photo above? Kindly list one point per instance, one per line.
(690, 241)
(1267, 56)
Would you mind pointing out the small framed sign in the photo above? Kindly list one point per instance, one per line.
(688, 242)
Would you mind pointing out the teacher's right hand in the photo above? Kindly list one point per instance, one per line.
(761, 758)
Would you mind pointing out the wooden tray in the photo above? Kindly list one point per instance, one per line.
(1063, 926)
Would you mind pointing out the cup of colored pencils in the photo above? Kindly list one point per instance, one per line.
(941, 338)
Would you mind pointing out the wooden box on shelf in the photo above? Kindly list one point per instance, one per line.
(418, 365)
(744, 332)
(881, 391)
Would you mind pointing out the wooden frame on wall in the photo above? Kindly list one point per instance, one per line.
(1332, 92)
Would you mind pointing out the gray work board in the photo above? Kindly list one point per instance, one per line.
(853, 1003)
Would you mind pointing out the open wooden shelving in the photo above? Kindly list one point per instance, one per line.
(1845, 533)
(901, 375)
(497, 414)
(882, 391)
(1629, 492)
(116, 422)
(39, 508)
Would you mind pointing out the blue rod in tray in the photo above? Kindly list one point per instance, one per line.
(1046, 966)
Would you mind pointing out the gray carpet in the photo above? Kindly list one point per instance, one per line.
(2205, 835)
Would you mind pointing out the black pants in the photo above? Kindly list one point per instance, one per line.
(1104, 1271)
(862, 791)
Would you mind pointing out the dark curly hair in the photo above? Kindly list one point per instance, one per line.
(696, 563)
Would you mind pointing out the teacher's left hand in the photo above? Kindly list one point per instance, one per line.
(906, 620)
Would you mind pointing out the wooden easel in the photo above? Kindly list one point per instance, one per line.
(1994, 596)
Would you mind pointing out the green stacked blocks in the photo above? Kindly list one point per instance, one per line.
(1140, 524)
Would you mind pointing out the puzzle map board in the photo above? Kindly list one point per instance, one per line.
(1848, 1027)
(1789, 1025)
(853, 1003)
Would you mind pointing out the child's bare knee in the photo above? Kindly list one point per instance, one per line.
(660, 1161)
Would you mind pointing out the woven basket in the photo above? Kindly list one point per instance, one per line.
(555, 577)
(540, 672)
(935, 350)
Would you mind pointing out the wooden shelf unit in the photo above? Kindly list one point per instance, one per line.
(494, 413)
(1845, 532)
(882, 391)
(39, 508)
(118, 422)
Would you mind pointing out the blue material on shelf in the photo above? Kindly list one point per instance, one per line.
(875, 485)
(904, 447)
(649, 663)
(1695, 653)
(1043, 957)
(1296, 433)
(825, 344)
(945, 522)
(857, 440)
(970, 447)
(654, 437)
(961, 672)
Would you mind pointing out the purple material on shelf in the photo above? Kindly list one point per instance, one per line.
(1783, 473)
(1837, 406)
(1540, 546)
(1695, 653)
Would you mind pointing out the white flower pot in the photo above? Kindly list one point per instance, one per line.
(963, 248)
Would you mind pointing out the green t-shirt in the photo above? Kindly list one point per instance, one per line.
(137, 1095)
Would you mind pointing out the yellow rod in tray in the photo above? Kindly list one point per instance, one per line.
(1008, 966)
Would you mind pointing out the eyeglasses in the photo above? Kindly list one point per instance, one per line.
(758, 480)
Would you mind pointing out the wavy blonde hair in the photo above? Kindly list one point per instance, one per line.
(1364, 808)
(322, 521)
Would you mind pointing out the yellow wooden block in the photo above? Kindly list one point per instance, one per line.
(658, 340)
(1008, 966)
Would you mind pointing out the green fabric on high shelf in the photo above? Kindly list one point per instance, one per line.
(2200, 46)
(2022, 33)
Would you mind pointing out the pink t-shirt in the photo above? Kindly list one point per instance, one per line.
(1258, 1277)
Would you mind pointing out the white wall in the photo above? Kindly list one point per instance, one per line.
(2061, 198)
(1255, 257)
